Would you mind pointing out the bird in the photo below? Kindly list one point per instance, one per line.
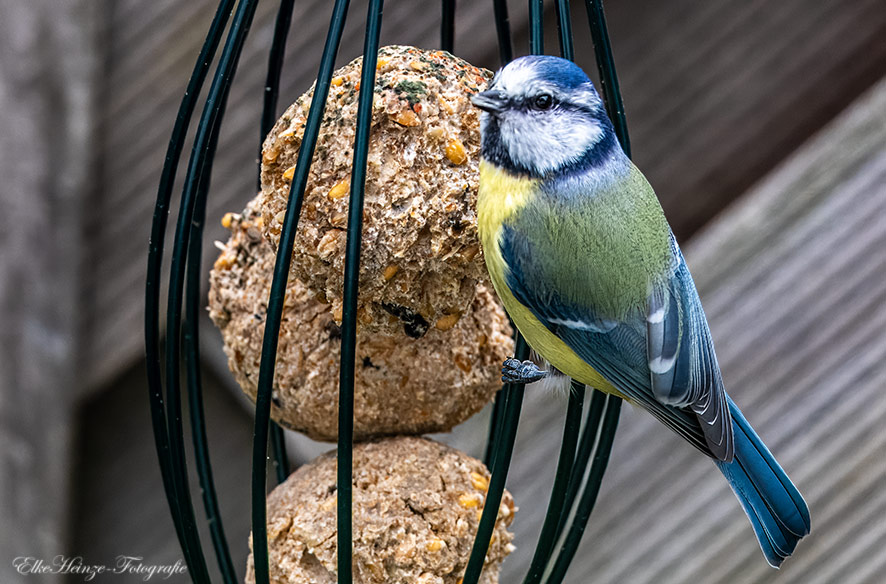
(585, 263)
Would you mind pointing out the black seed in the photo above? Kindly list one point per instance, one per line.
(414, 324)
(456, 222)
(333, 329)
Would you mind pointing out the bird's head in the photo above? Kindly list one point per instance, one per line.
(542, 115)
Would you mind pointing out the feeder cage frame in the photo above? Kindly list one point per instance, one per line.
(585, 448)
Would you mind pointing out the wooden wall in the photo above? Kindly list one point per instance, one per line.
(48, 68)
(718, 94)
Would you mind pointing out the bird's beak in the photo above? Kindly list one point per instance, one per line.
(492, 101)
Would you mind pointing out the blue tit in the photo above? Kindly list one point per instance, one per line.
(585, 263)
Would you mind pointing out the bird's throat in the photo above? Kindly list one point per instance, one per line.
(501, 195)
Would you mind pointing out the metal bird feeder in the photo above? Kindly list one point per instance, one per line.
(584, 452)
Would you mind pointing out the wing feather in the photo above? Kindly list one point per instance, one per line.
(660, 356)
(692, 378)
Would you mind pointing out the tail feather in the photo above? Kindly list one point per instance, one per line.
(777, 511)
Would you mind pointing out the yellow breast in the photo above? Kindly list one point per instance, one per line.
(501, 196)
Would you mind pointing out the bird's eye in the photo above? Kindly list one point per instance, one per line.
(543, 101)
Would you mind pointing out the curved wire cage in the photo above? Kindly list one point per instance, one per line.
(585, 448)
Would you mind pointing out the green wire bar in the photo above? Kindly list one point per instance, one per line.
(589, 496)
(564, 30)
(278, 291)
(192, 362)
(536, 27)
(573, 494)
(503, 31)
(512, 396)
(447, 25)
(198, 168)
(557, 504)
(608, 78)
(506, 420)
(506, 55)
(495, 415)
(585, 449)
(154, 265)
(194, 274)
(272, 79)
(351, 290)
(268, 119)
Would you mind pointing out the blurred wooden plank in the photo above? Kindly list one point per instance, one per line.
(48, 63)
(718, 93)
(119, 504)
(793, 279)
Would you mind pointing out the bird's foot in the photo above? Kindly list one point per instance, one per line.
(521, 372)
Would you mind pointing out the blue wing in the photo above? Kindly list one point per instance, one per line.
(660, 356)
(683, 368)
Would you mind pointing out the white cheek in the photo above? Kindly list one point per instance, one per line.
(546, 143)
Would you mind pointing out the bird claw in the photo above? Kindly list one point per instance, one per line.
(521, 372)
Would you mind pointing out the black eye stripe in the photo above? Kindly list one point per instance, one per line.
(526, 103)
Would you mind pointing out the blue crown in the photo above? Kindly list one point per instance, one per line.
(561, 71)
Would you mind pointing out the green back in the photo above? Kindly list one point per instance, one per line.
(604, 248)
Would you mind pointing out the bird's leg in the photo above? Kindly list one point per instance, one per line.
(521, 372)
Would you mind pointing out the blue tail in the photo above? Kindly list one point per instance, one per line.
(775, 507)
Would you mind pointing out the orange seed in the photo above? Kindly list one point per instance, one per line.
(447, 322)
(339, 190)
(455, 152)
(407, 118)
(391, 271)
